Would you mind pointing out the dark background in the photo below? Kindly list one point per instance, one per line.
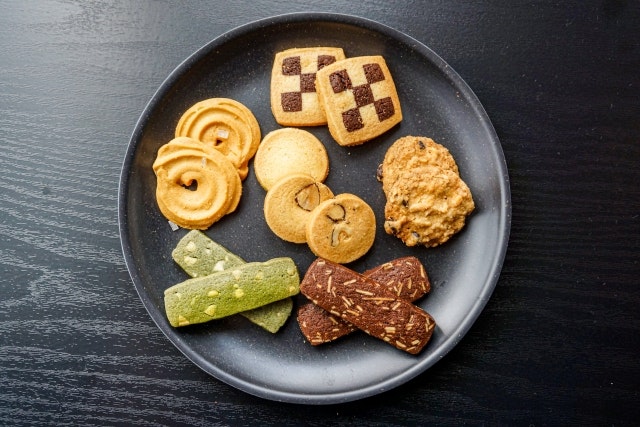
(559, 340)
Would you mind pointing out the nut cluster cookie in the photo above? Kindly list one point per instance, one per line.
(427, 201)
(294, 100)
(359, 98)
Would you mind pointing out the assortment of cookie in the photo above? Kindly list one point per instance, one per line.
(199, 180)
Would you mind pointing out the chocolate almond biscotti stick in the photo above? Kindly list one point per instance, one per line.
(405, 277)
(365, 304)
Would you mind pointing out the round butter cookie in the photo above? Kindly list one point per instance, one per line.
(289, 203)
(226, 125)
(341, 229)
(287, 151)
(411, 152)
(196, 184)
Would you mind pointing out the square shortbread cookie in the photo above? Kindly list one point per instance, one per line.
(294, 101)
(359, 99)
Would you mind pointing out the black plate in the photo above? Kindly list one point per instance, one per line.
(435, 102)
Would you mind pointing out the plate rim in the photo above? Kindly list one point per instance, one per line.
(505, 209)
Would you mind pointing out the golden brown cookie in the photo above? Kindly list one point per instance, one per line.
(289, 150)
(341, 229)
(359, 99)
(288, 205)
(411, 152)
(427, 205)
(294, 100)
(196, 184)
(225, 124)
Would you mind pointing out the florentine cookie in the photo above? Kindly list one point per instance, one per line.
(288, 205)
(363, 303)
(410, 152)
(289, 150)
(231, 291)
(427, 205)
(200, 256)
(427, 201)
(225, 124)
(294, 100)
(359, 99)
(196, 184)
(404, 277)
(341, 229)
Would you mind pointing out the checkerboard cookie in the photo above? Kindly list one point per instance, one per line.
(294, 100)
(359, 99)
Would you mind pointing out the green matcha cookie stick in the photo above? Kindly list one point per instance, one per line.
(228, 292)
(199, 256)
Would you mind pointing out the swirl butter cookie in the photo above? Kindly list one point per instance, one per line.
(289, 203)
(341, 229)
(289, 150)
(196, 184)
(359, 98)
(225, 124)
(294, 100)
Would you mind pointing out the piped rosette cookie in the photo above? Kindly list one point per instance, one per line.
(196, 184)
(226, 125)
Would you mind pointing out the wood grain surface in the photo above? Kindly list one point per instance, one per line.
(558, 342)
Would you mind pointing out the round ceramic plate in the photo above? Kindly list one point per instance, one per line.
(435, 102)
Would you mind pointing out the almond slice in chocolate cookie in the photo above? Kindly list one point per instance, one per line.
(361, 302)
(405, 277)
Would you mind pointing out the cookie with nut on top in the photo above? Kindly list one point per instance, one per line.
(341, 229)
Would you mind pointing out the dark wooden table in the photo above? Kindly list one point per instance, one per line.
(557, 344)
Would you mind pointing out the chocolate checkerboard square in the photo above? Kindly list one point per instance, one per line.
(294, 100)
(359, 99)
